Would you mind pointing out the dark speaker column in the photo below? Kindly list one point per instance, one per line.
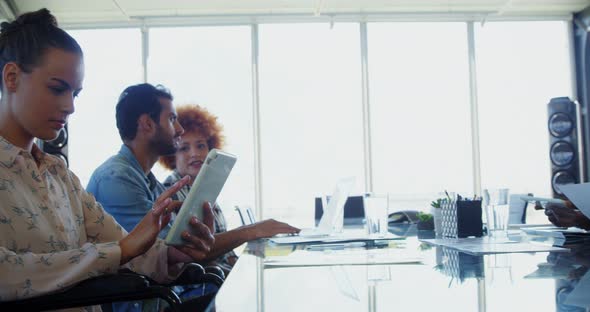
(563, 142)
(581, 37)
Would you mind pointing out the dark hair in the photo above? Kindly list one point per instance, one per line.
(135, 101)
(25, 40)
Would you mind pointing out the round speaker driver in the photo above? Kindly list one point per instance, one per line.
(560, 125)
(561, 178)
(562, 153)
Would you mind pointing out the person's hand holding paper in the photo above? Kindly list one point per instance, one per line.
(575, 211)
(566, 215)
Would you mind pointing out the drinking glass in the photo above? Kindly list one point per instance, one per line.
(376, 209)
(496, 207)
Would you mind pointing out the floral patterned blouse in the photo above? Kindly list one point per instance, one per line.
(52, 232)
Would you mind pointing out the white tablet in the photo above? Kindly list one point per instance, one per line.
(205, 188)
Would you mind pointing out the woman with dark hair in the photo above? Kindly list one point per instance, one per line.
(202, 132)
(54, 234)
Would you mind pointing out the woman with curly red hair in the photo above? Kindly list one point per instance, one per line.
(202, 132)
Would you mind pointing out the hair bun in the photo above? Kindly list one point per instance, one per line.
(41, 18)
(6, 27)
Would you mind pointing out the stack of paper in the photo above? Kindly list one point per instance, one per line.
(484, 245)
(344, 257)
(560, 236)
(344, 237)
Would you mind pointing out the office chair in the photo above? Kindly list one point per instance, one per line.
(123, 286)
(246, 215)
(517, 208)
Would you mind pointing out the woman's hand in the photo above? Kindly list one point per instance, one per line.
(145, 233)
(198, 241)
(271, 227)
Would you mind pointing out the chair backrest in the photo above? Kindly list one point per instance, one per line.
(239, 210)
(517, 208)
(354, 210)
(246, 214)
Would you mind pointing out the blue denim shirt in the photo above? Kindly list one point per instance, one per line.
(124, 190)
(127, 193)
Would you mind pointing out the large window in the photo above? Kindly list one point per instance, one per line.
(311, 120)
(311, 115)
(419, 87)
(521, 66)
(112, 60)
(210, 66)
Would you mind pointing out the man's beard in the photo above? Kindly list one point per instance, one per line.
(163, 144)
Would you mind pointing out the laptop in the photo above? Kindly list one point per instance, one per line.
(329, 228)
(332, 218)
(354, 210)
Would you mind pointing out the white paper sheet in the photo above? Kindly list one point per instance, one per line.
(553, 231)
(344, 257)
(336, 238)
(483, 246)
(579, 195)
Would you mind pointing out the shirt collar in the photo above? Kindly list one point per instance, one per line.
(9, 152)
(176, 176)
(126, 153)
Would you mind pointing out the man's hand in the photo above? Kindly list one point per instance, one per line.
(566, 215)
(198, 241)
(145, 233)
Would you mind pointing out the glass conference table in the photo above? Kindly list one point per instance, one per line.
(404, 275)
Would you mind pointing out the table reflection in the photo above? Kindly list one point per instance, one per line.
(572, 277)
(443, 279)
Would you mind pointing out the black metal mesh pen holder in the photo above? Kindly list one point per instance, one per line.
(461, 266)
(461, 218)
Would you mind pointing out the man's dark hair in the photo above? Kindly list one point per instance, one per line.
(25, 40)
(135, 101)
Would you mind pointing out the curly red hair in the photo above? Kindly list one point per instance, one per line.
(196, 119)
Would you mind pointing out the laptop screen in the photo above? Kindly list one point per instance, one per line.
(334, 211)
(354, 211)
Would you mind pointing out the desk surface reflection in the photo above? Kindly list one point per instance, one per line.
(444, 280)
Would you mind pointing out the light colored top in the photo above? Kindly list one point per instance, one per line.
(53, 233)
